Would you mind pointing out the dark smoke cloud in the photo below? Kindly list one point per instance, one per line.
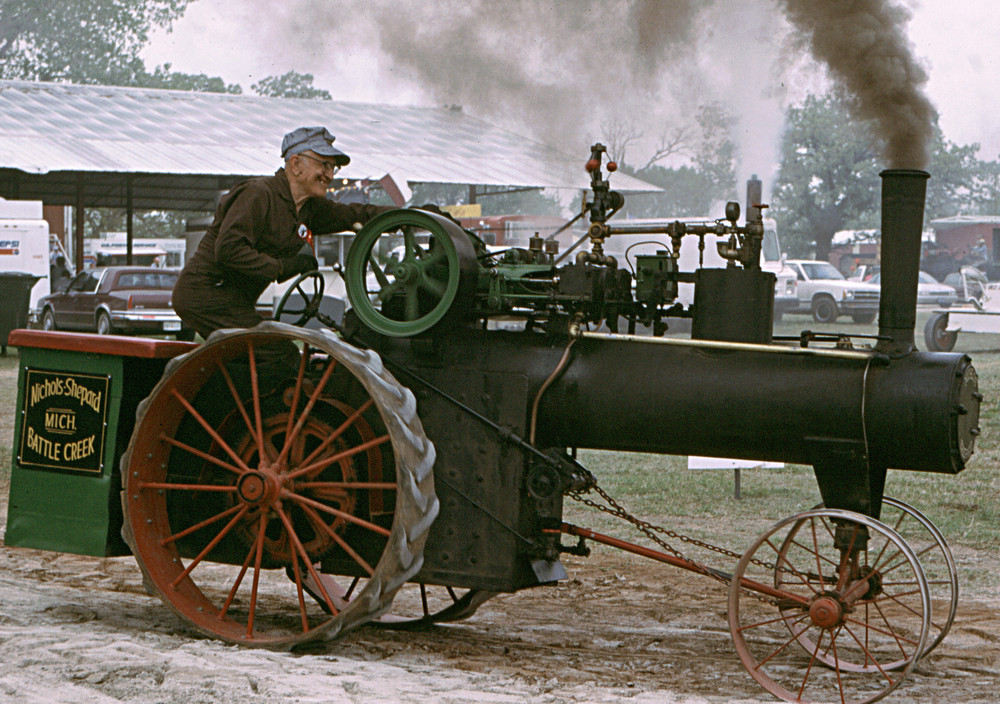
(563, 68)
(555, 67)
(864, 45)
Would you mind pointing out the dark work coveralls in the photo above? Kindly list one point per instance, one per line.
(255, 228)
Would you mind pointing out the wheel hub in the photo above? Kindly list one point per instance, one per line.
(258, 487)
(826, 612)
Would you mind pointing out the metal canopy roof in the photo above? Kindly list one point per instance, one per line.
(177, 149)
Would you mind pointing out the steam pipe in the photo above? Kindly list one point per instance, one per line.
(903, 195)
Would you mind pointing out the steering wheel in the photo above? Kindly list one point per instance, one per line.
(310, 299)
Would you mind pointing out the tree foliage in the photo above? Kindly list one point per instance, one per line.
(163, 77)
(82, 41)
(290, 85)
(828, 179)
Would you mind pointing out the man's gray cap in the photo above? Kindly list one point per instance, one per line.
(314, 139)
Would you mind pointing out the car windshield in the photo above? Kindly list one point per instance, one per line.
(926, 278)
(821, 270)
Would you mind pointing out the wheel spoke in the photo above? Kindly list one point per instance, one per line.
(320, 486)
(327, 461)
(380, 276)
(198, 526)
(302, 500)
(304, 416)
(296, 392)
(224, 609)
(225, 488)
(412, 303)
(255, 395)
(339, 431)
(242, 510)
(258, 559)
(437, 288)
(211, 431)
(293, 536)
(238, 402)
(411, 247)
(322, 525)
(203, 455)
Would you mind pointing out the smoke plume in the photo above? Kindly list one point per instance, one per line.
(864, 45)
(562, 69)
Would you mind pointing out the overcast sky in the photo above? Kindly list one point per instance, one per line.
(744, 59)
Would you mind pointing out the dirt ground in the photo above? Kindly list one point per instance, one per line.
(77, 629)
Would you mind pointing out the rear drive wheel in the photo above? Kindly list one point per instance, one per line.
(263, 462)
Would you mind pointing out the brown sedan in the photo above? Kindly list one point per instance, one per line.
(114, 299)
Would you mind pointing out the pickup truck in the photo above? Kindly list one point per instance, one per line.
(824, 293)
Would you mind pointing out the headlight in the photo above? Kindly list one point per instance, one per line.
(848, 295)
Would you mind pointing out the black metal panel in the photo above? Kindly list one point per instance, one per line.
(733, 304)
(481, 538)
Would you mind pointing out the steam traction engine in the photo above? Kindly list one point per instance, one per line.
(281, 483)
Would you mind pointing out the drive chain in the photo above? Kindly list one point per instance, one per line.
(653, 532)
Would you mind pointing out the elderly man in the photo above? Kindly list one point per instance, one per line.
(262, 232)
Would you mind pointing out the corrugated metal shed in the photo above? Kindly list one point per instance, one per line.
(177, 149)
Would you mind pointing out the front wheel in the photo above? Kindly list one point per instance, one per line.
(863, 318)
(830, 606)
(936, 334)
(48, 320)
(824, 310)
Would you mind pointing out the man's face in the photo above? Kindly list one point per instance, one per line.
(315, 173)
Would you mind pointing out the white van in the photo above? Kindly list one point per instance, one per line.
(24, 243)
(625, 248)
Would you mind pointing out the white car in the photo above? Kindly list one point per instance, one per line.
(930, 291)
(824, 293)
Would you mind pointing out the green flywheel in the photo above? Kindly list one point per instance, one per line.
(408, 271)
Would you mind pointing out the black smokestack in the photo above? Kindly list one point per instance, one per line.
(903, 194)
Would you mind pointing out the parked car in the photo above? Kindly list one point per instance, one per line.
(114, 299)
(930, 291)
(824, 293)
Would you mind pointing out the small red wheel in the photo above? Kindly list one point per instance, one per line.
(829, 606)
(265, 459)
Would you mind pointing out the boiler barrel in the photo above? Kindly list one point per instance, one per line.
(919, 412)
(746, 401)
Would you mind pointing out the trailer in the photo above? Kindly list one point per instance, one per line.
(279, 485)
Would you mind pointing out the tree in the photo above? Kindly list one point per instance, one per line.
(82, 41)
(163, 77)
(690, 190)
(290, 85)
(828, 179)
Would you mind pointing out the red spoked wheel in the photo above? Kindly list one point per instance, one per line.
(829, 606)
(264, 461)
